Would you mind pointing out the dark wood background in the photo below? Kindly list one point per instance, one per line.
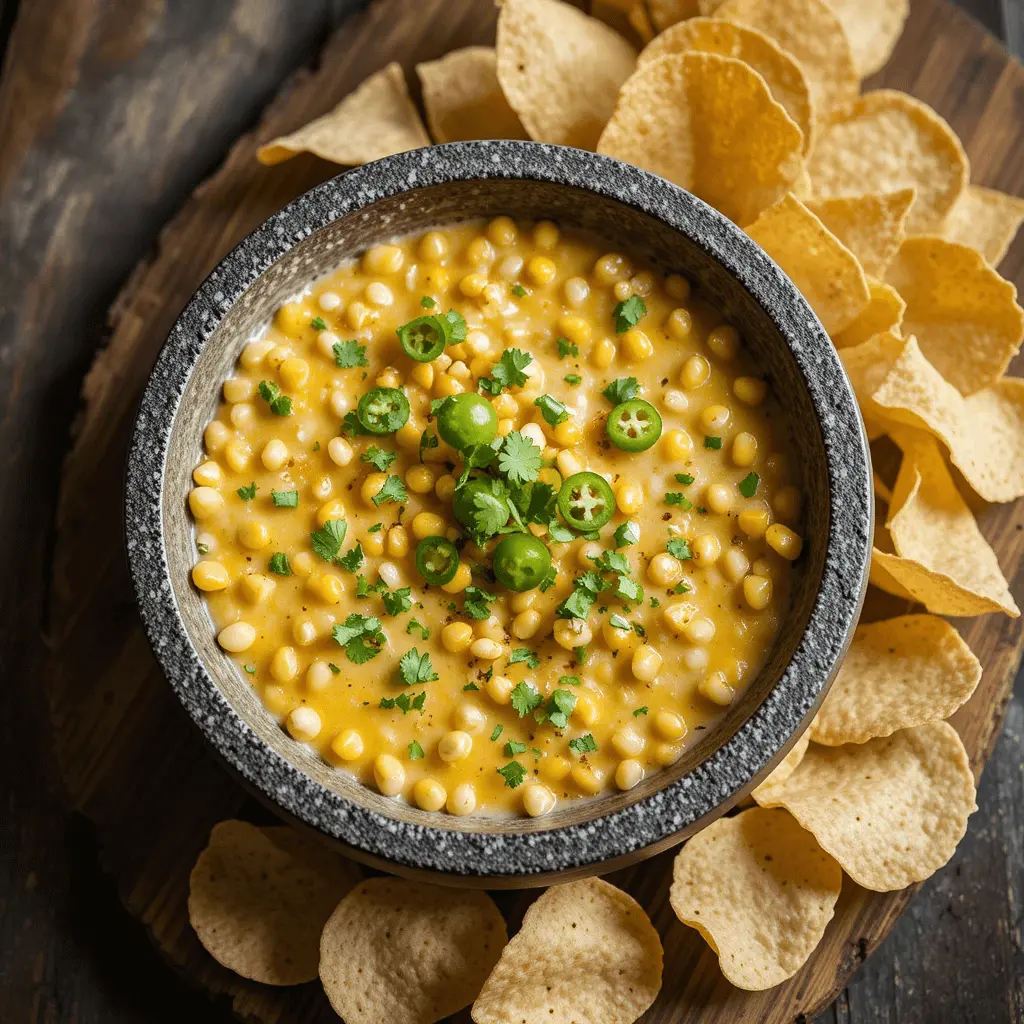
(108, 119)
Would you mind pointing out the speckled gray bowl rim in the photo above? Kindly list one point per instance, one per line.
(716, 782)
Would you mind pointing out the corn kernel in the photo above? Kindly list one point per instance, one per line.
(538, 800)
(472, 285)
(423, 374)
(695, 372)
(207, 475)
(502, 231)
(611, 268)
(715, 688)
(294, 373)
(546, 234)
(304, 724)
(455, 745)
(669, 725)
(735, 565)
(429, 794)
(210, 576)
(333, 509)
(783, 541)
(456, 637)
(637, 345)
(719, 499)
(678, 445)
(444, 488)
(205, 502)
(427, 524)
(526, 624)
(347, 745)
(678, 615)
(284, 665)
(318, 676)
(433, 246)
(398, 542)
(749, 390)
(274, 454)
(237, 454)
(754, 521)
(628, 774)
(237, 389)
(255, 353)
(462, 800)
(326, 586)
(590, 780)
(646, 664)
(787, 504)
(253, 535)
(371, 486)
(757, 592)
(486, 649)
(499, 689)
(572, 633)
(616, 637)
(237, 637)
(714, 417)
(724, 342)
(744, 449)
(389, 774)
(256, 588)
(629, 497)
(706, 549)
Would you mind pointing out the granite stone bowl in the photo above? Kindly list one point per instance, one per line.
(636, 212)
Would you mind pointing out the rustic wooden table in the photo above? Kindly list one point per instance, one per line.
(110, 113)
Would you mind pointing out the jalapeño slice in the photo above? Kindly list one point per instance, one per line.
(383, 410)
(521, 562)
(586, 501)
(634, 426)
(425, 337)
(437, 560)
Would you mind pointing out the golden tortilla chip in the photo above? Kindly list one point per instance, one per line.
(785, 767)
(665, 13)
(886, 141)
(883, 314)
(784, 77)
(983, 432)
(708, 7)
(560, 70)
(760, 890)
(408, 953)
(374, 121)
(586, 952)
(812, 35)
(963, 313)
(826, 272)
(258, 900)
(866, 365)
(871, 226)
(940, 556)
(890, 810)
(709, 124)
(898, 673)
(985, 220)
(464, 100)
(640, 21)
(873, 28)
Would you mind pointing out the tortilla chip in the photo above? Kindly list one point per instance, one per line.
(640, 22)
(258, 900)
(708, 7)
(866, 365)
(883, 314)
(810, 33)
(983, 432)
(709, 124)
(826, 272)
(785, 767)
(873, 28)
(760, 890)
(963, 313)
(890, 810)
(871, 226)
(986, 220)
(665, 13)
(898, 673)
(886, 141)
(784, 77)
(408, 953)
(376, 120)
(560, 70)
(586, 952)
(940, 558)
(464, 100)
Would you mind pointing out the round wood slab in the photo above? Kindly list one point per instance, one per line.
(133, 763)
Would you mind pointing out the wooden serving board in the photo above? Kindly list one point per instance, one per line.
(132, 761)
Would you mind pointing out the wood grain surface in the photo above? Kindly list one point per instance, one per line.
(132, 764)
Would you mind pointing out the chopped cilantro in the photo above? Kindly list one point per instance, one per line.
(318, 323)
(404, 702)
(279, 564)
(327, 541)
(616, 621)
(626, 534)
(514, 747)
(376, 528)
(628, 313)
(414, 668)
(285, 499)
(655, 603)
(247, 493)
(397, 601)
(581, 655)
(519, 459)
(585, 590)
(583, 745)
(710, 441)
(361, 636)
(612, 561)
(524, 654)
(549, 579)
(458, 322)
(251, 669)
(553, 411)
(679, 548)
(470, 686)
(508, 372)
(498, 730)
(513, 774)
(573, 379)
(628, 590)
(348, 354)
(428, 440)
(623, 389)
(476, 606)
(748, 485)
(566, 348)
(334, 668)
(414, 624)
(427, 302)
(393, 490)
(352, 560)
(640, 711)
(684, 478)
(569, 681)
(280, 405)
(203, 549)
(415, 751)
(524, 698)
(518, 290)
(378, 458)
(350, 425)
(558, 709)
(680, 499)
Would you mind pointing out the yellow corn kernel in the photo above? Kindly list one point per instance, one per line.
(455, 745)
(787, 504)
(242, 415)
(677, 287)
(669, 726)
(333, 509)
(628, 774)
(408, 438)
(678, 615)
(499, 689)
(423, 375)
(480, 252)
(757, 592)
(526, 624)
(276, 699)
(253, 535)
(433, 246)
(486, 649)
(754, 521)
(749, 390)
(568, 464)
(586, 709)
(667, 753)
(237, 637)
(695, 372)
(303, 564)
(389, 377)
(322, 487)
(436, 279)
(318, 676)
(715, 688)
(358, 315)
(463, 575)
(628, 742)
(210, 575)
(277, 355)
(612, 267)
(373, 543)
(575, 328)
(254, 353)
(205, 502)
(664, 570)
(590, 780)
(446, 385)
(706, 549)
(292, 317)
(371, 486)
(502, 231)
(462, 800)
(735, 564)
(274, 454)
(304, 631)
(429, 794)
(389, 774)
(700, 630)
(744, 449)
(459, 370)
(505, 427)
(724, 341)
(207, 475)
(237, 454)
(491, 628)
(326, 586)
(538, 800)
(456, 637)
(427, 524)
(347, 745)
(637, 345)
(472, 285)
(237, 389)
(469, 718)
(294, 373)
(383, 259)
(719, 498)
(256, 588)
(339, 451)
(629, 497)
(572, 633)
(602, 354)
(568, 433)
(398, 542)
(714, 417)
(616, 638)
(304, 724)
(328, 301)
(444, 488)
(783, 541)
(646, 664)
(546, 234)
(555, 768)
(678, 445)
(540, 270)
(284, 665)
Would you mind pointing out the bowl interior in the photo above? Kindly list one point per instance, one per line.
(626, 229)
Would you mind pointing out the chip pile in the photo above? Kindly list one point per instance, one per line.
(865, 201)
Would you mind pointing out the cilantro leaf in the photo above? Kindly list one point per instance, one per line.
(583, 745)
(351, 426)
(549, 579)
(490, 512)
(514, 747)
(279, 564)
(281, 406)
(404, 702)
(498, 730)
(585, 590)
(748, 485)
(612, 561)
(268, 390)
(553, 411)
(415, 751)
(684, 478)
(558, 710)
(398, 601)
(393, 490)
(513, 774)
(428, 440)
(566, 348)
(524, 654)
(318, 323)
(380, 459)
(519, 459)
(680, 499)
(710, 441)
(524, 698)
(508, 372)
(572, 379)
(247, 493)
(348, 354)
(640, 711)
(334, 668)
(361, 636)
(628, 590)
(415, 624)
(679, 548)
(414, 668)
(427, 302)
(285, 499)
(327, 540)
(616, 621)
(458, 322)
(628, 313)
(622, 389)
(352, 560)
(518, 290)
(476, 606)
(470, 686)
(626, 534)
(569, 681)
